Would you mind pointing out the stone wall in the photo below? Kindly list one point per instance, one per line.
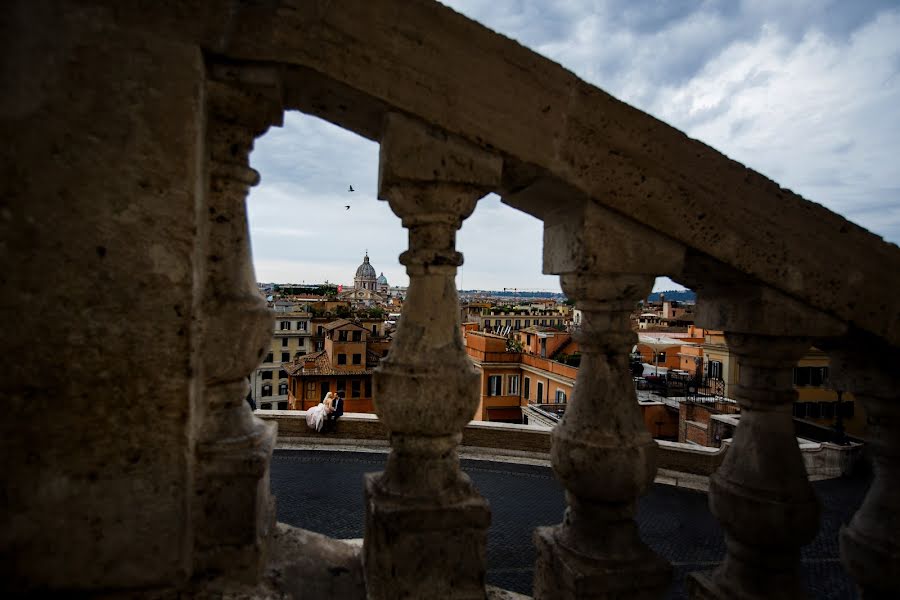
(101, 167)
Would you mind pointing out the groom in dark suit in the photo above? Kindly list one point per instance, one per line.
(331, 420)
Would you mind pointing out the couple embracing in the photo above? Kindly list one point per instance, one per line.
(324, 416)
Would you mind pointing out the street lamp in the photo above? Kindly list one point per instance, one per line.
(839, 436)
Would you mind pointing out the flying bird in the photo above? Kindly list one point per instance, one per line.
(347, 206)
(351, 189)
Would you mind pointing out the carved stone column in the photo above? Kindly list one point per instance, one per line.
(234, 510)
(601, 451)
(426, 525)
(870, 544)
(761, 494)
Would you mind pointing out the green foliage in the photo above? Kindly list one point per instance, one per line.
(514, 345)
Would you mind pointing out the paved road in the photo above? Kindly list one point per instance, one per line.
(322, 491)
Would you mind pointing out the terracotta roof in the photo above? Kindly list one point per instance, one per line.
(341, 323)
(323, 365)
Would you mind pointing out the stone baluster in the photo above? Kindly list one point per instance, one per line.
(601, 451)
(761, 494)
(426, 525)
(234, 510)
(870, 544)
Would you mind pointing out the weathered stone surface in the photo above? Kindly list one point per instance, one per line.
(870, 544)
(426, 389)
(601, 450)
(116, 275)
(234, 512)
(430, 547)
(761, 494)
(101, 164)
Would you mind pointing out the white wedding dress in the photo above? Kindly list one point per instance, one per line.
(315, 416)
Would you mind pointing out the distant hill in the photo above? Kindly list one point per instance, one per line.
(680, 295)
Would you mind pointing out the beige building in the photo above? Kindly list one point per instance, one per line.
(290, 338)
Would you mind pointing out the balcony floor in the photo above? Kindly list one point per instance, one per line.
(322, 491)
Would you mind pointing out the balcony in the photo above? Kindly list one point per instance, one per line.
(145, 473)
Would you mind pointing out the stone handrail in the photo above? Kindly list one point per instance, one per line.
(374, 57)
(500, 438)
(129, 168)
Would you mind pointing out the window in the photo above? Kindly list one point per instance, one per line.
(810, 376)
(282, 389)
(320, 345)
(285, 325)
(301, 325)
(714, 369)
(284, 342)
(813, 410)
(661, 357)
(357, 336)
(342, 335)
(320, 330)
(325, 388)
(357, 359)
(369, 387)
(512, 385)
(267, 389)
(266, 406)
(527, 391)
(827, 409)
(495, 383)
(300, 342)
(527, 322)
(540, 391)
(342, 359)
(310, 390)
(354, 388)
(282, 374)
(509, 321)
(497, 323)
(267, 374)
(560, 396)
(374, 330)
(282, 406)
(518, 323)
(341, 385)
(285, 357)
(268, 357)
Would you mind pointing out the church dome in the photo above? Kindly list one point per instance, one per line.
(365, 270)
(382, 280)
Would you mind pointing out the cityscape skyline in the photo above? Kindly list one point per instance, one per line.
(805, 94)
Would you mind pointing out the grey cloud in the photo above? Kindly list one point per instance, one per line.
(673, 59)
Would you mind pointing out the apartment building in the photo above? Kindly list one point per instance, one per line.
(345, 362)
(512, 381)
(290, 339)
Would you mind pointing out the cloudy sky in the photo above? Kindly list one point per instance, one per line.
(805, 91)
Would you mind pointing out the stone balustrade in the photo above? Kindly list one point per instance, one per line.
(128, 175)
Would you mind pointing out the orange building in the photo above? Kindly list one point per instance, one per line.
(511, 380)
(344, 364)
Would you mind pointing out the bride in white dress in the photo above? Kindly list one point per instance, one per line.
(315, 416)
